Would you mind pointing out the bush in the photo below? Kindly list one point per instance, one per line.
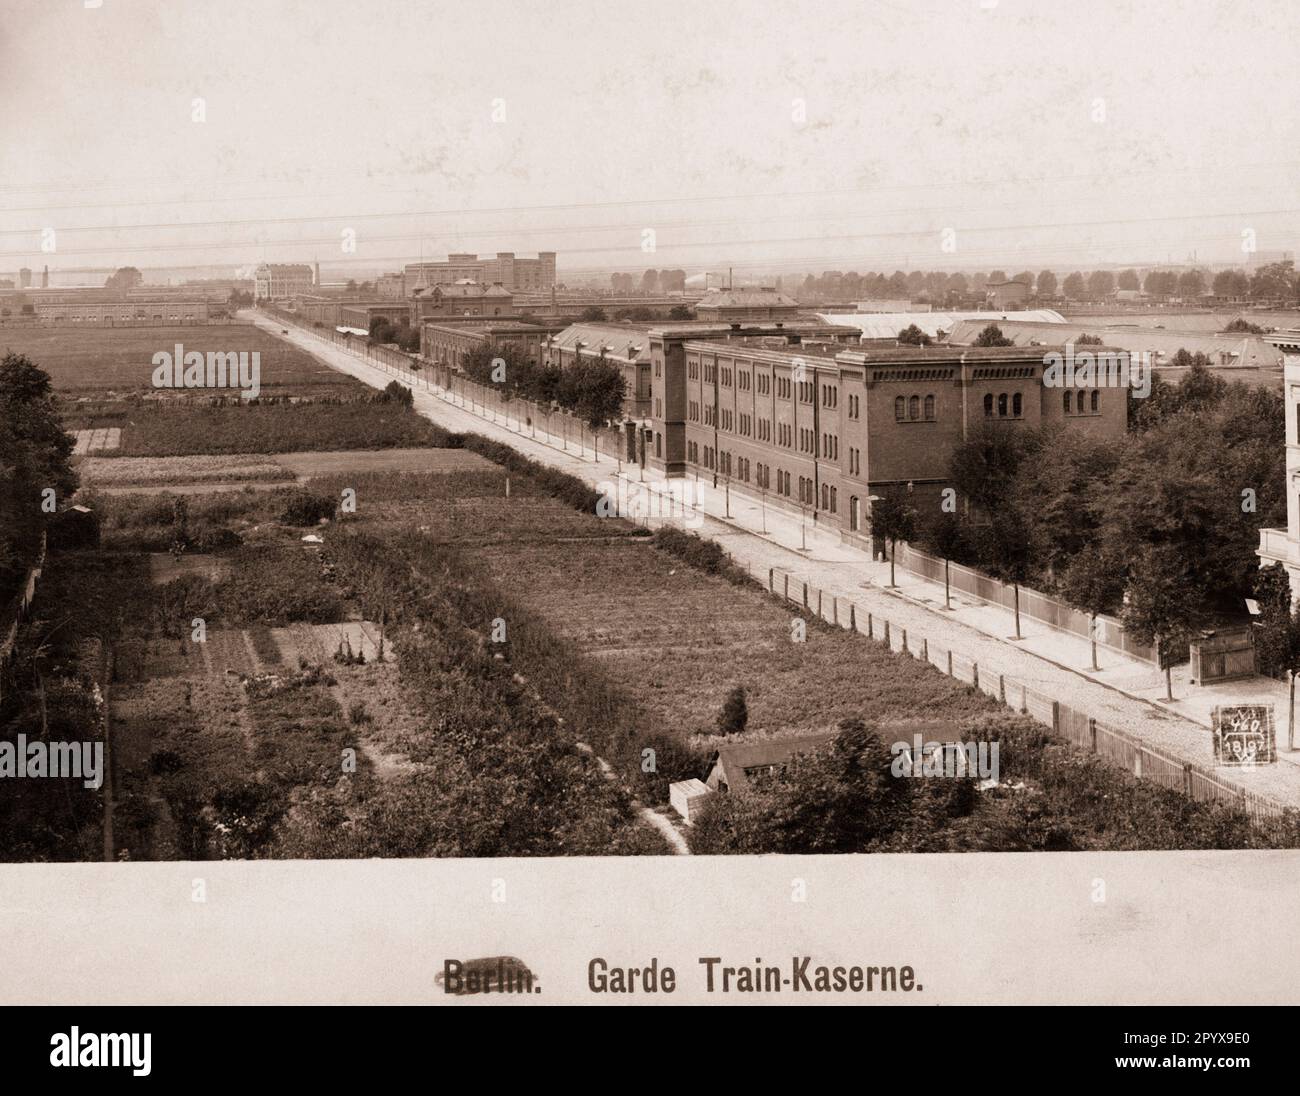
(306, 508)
(734, 714)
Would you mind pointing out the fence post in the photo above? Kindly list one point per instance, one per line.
(1002, 688)
(950, 662)
(853, 618)
(1187, 780)
(787, 587)
(805, 595)
(887, 643)
(1092, 734)
(1056, 717)
(835, 611)
(925, 649)
(975, 674)
(871, 631)
(1137, 761)
(903, 649)
(1024, 699)
(771, 580)
(819, 605)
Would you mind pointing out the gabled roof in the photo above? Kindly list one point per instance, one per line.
(626, 342)
(746, 298)
(734, 760)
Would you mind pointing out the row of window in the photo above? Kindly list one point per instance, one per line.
(762, 475)
(1014, 409)
(1081, 403)
(911, 409)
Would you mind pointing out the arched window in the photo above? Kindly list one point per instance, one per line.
(929, 409)
(1096, 401)
(900, 409)
(914, 408)
(988, 405)
(1002, 405)
(1065, 400)
(1016, 405)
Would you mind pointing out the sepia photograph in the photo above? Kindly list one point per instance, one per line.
(649, 503)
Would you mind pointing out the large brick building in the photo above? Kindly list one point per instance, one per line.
(447, 342)
(278, 281)
(515, 274)
(824, 427)
(462, 299)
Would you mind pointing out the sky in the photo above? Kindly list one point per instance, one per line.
(869, 135)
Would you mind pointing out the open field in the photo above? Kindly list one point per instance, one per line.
(89, 363)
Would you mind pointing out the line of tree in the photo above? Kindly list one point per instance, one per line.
(400, 334)
(1268, 282)
(1159, 527)
(35, 453)
(591, 388)
(650, 281)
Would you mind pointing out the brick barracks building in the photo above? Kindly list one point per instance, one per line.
(823, 427)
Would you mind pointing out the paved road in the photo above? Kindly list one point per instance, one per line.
(974, 632)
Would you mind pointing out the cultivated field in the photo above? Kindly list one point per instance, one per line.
(87, 362)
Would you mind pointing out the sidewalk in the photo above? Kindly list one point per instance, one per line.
(1125, 693)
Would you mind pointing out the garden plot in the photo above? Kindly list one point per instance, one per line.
(163, 472)
(99, 440)
(361, 637)
(164, 567)
(678, 641)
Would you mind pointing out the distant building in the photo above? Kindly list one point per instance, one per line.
(731, 305)
(391, 286)
(1002, 295)
(6, 283)
(95, 307)
(462, 299)
(512, 272)
(25, 278)
(277, 281)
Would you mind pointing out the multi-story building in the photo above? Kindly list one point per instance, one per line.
(1283, 545)
(98, 308)
(391, 285)
(446, 342)
(512, 272)
(277, 281)
(823, 427)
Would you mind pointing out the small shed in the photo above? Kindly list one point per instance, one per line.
(687, 797)
(1223, 655)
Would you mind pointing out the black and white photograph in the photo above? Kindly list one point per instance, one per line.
(650, 503)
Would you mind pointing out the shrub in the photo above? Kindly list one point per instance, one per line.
(306, 508)
(734, 714)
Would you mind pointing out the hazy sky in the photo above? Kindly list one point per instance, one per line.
(808, 136)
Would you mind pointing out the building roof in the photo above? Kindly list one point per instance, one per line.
(627, 342)
(887, 325)
(463, 290)
(732, 761)
(748, 297)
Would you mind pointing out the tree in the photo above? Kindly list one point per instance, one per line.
(35, 453)
(1025, 278)
(945, 534)
(983, 468)
(1191, 283)
(1231, 283)
(1074, 286)
(1089, 340)
(593, 314)
(992, 336)
(735, 713)
(1093, 583)
(1275, 281)
(1128, 280)
(124, 278)
(680, 312)
(1160, 606)
(912, 335)
(1101, 284)
(1006, 550)
(1243, 327)
(1277, 631)
(892, 519)
(1046, 286)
